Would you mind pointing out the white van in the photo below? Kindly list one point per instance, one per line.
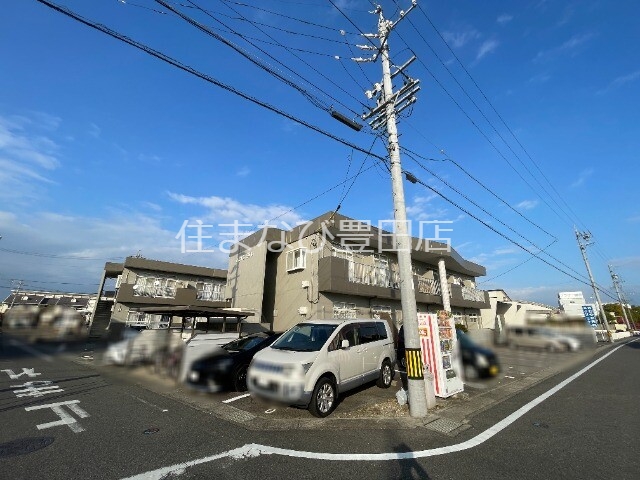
(315, 361)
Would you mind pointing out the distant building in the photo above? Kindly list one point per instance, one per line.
(573, 305)
(142, 283)
(33, 303)
(506, 312)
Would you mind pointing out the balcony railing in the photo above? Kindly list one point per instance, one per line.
(475, 295)
(211, 296)
(373, 275)
(429, 286)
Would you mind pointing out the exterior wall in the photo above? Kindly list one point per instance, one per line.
(245, 279)
(291, 295)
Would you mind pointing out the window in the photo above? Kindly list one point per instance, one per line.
(382, 331)
(296, 259)
(348, 332)
(368, 333)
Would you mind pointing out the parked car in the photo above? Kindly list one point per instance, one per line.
(571, 344)
(142, 346)
(227, 369)
(314, 362)
(477, 361)
(533, 337)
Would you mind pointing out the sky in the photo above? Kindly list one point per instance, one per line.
(525, 127)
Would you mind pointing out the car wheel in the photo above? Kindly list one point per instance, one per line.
(323, 399)
(470, 373)
(386, 375)
(551, 348)
(240, 379)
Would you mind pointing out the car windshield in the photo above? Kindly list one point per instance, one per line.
(244, 344)
(465, 341)
(306, 337)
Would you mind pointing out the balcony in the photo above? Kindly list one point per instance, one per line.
(428, 286)
(127, 295)
(467, 297)
(469, 293)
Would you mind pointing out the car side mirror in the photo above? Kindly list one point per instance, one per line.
(345, 343)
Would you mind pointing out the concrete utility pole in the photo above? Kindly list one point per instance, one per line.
(583, 248)
(15, 293)
(616, 281)
(389, 104)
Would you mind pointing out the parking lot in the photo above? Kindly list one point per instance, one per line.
(520, 369)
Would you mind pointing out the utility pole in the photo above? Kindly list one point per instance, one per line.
(583, 248)
(15, 293)
(389, 104)
(616, 281)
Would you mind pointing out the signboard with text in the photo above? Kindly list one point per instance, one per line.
(589, 316)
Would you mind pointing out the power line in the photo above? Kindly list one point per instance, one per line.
(498, 115)
(417, 180)
(292, 53)
(203, 76)
(51, 255)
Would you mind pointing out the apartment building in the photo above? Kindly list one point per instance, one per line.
(141, 283)
(503, 311)
(335, 266)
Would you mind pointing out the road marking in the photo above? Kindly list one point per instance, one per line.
(252, 450)
(229, 400)
(147, 403)
(30, 350)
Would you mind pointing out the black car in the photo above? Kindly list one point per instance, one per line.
(477, 361)
(227, 368)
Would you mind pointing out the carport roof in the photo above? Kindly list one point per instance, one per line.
(195, 311)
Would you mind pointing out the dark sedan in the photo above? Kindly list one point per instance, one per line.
(227, 368)
(477, 361)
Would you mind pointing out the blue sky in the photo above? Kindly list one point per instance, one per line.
(105, 151)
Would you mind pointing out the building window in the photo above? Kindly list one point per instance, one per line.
(296, 259)
(345, 310)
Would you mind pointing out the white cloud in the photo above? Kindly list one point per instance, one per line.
(460, 39)
(570, 46)
(504, 18)
(540, 78)
(582, 178)
(487, 47)
(25, 156)
(94, 130)
(421, 208)
(243, 172)
(527, 204)
(225, 209)
(621, 80)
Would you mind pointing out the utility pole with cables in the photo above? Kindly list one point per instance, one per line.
(616, 285)
(586, 236)
(389, 105)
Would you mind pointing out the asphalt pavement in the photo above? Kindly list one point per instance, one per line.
(135, 425)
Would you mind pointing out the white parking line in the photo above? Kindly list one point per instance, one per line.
(254, 450)
(229, 400)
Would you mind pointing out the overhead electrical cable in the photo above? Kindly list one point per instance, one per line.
(288, 68)
(272, 12)
(252, 58)
(203, 76)
(417, 180)
(498, 114)
(500, 199)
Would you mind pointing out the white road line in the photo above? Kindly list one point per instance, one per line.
(148, 403)
(229, 400)
(30, 350)
(254, 450)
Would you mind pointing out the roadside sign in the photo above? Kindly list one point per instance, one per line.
(589, 316)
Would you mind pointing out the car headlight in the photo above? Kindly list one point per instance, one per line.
(481, 360)
(289, 370)
(306, 367)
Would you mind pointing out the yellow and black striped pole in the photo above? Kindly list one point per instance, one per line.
(413, 356)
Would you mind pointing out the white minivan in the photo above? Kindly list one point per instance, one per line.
(315, 361)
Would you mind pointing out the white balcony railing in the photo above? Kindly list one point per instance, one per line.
(373, 275)
(429, 286)
(472, 294)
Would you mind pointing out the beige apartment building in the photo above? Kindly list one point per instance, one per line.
(335, 266)
(141, 283)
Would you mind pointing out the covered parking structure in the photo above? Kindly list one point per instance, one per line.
(205, 319)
